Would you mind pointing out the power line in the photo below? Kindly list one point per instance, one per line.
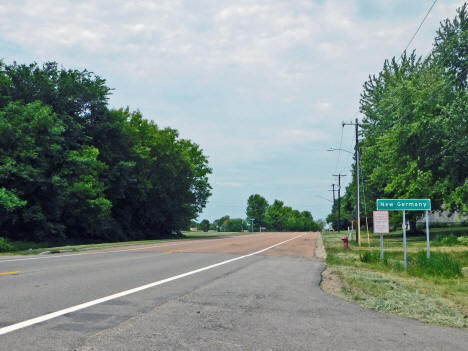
(419, 27)
(406, 48)
(339, 149)
(339, 175)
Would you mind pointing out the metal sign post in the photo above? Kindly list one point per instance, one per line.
(381, 226)
(408, 205)
(404, 241)
(251, 223)
(427, 235)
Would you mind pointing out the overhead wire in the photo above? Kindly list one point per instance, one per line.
(361, 180)
(339, 149)
(419, 27)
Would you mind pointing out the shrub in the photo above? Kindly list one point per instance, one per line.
(385, 260)
(463, 240)
(448, 240)
(397, 266)
(5, 245)
(370, 257)
(440, 264)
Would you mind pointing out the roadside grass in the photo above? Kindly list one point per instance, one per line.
(433, 291)
(205, 235)
(34, 248)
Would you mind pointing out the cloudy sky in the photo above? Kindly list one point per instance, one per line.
(261, 85)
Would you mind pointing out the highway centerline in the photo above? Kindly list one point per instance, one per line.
(75, 308)
(8, 273)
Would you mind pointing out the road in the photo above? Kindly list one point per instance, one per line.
(251, 292)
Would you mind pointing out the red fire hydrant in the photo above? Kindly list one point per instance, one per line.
(345, 241)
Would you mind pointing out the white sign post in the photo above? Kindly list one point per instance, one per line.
(381, 226)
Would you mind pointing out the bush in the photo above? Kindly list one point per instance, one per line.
(449, 240)
(397, 266)
(463, 240)
(385, 260)
(370, 257)
(5, 245)
(440, 264)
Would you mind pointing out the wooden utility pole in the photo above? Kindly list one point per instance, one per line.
(356, 155)
(339, 175)
(333, 190)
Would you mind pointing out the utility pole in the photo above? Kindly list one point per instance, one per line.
(339, 175)
(333, 189)
(356, 153)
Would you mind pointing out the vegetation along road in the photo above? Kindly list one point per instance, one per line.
(257, 291)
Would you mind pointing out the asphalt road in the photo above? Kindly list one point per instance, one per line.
(266, 301)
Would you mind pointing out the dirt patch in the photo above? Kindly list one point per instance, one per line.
(305, 246)
(308, 245)
(332, 282)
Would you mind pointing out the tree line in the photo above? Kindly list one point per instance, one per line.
(73, 168)
(262, 216)
(414, 135)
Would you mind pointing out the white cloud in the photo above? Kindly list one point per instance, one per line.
(247, 80)
(299, 136)
(324, 106)
(231, 184)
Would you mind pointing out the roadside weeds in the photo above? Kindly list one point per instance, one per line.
(434, 300)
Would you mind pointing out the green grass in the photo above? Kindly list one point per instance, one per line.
(433, 291)
(448, 240)
(5, 245)
(440, 264)
(388, 294)
(205, 235)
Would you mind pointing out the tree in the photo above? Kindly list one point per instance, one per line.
(235, 225)
(275, 216)
(66, 156)
(205, 225)
(51, 187)
(451, 47)
(308, 222)
(347, 209)
(193, 224)
(222, 223)
(414, 134)
(256, 209)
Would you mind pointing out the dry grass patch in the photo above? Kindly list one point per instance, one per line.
(378, 285)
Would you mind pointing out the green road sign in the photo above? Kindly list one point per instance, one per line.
(404, 204)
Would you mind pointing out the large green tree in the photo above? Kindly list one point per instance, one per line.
(284, 218)
(256, 209)
(73, 168)
(414, 134)
(52, 187)
(205, 225)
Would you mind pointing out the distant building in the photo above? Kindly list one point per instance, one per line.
(194, 229)
(444, 217)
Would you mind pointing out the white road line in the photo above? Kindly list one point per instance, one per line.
(59, 313)
(144, 247)
(93, 253)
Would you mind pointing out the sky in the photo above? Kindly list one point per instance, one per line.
(262, 86)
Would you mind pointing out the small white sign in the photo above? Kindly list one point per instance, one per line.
(381, 222)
